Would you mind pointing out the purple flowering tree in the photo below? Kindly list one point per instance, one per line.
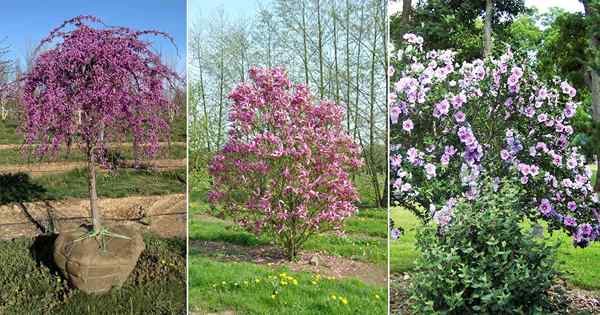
(284, 169)
(94, 86)
(455, 126)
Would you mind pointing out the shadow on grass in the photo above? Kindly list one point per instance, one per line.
(19, 188)
(41, 251)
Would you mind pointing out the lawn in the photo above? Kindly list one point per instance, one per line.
(32, 285)
(253, 289)
(73, 184)
(581, 267)
(16, 156)
(249, 288)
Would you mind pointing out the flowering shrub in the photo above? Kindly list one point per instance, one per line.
(94, 86)
(284, 169)
(454, 124)
(485, 263)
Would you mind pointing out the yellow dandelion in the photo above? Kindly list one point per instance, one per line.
(223, 283)
(377, 296)
(295, 282)
(344, 300)
(273, 296)
(283, 283)
(314, 282)
(333, 297)
(257, 280)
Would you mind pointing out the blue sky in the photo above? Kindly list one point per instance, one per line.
(24, 23)
(232, 8)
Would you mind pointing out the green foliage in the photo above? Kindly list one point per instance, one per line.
(457, 25)
(484, 262)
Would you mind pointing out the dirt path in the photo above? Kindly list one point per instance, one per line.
(110, 145)
(41, 169)
(164, 215)
(315, 262)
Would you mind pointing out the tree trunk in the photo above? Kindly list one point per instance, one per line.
(487, 30)
(304, 39)
(406, 11)
(320, 43)
(348, 79)
(96, 219)
(594, 85)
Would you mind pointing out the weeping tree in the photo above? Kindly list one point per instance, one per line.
(96, 85)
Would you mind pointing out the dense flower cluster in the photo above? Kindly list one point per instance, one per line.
(284, 169)
(457, 125)
(96, 85)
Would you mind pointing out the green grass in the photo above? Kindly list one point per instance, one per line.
(219, 286)
(16, 156)
(8, 128)
(73, 184)
(354, 246)
(33, 286)
(581, 266)
(8, 133)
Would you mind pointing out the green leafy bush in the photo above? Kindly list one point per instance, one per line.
(483, 263)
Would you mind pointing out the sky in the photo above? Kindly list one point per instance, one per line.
(231, 8)
(23, 23)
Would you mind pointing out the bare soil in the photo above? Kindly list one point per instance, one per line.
(163, 215)
(326, 265)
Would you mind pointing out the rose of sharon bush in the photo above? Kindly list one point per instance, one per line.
(454, 124)
(94, 86)
(284, 169)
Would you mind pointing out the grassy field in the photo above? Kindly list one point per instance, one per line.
(16, 156)
(253, 289)
(9, 135)
(73, 184)
(581, 267)
(249, 288)
(32, 285)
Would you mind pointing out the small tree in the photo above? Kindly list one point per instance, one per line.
(94, 86)
(284, 169)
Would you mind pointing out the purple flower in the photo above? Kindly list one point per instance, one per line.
(570, 221)
(572, 205)
(459, 117)
(504, 155)
(545, 207)
(395, 113)
(430, 170)
(395, 233)
(408, 125)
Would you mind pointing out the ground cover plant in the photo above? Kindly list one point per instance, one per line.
(157, 285)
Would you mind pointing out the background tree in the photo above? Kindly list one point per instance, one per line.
(334, 47)
(93, 86)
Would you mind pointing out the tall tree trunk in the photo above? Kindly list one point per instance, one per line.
(96, 219)
(593, 80)
(348, 78)
(487, 30)
(335, 56)
(221, 96)
(305, 59)
(406, 12)
(320, 44)
(360, 44)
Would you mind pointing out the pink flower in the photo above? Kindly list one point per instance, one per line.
(408, 125)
